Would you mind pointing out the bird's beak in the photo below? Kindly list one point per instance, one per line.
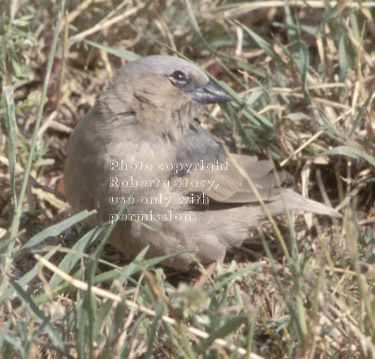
(210, 93)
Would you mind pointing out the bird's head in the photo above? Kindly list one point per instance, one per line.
(163, 93)
(182, 74)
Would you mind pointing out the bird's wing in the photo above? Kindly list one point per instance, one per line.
(218, 177)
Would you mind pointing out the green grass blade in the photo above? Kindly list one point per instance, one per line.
(10, 127)
(57, 228)
(40, 317)
(230, 327)
(351, 152)
(16, 218)
(360, 114)
(153, 329)
(75, 254)
(122, 53)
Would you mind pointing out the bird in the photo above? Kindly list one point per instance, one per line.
(184, 191)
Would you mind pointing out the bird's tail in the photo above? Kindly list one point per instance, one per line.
(298, 203)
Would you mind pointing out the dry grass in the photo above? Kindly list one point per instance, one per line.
(303, 82)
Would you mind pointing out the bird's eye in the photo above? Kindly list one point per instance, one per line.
(179, 76)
